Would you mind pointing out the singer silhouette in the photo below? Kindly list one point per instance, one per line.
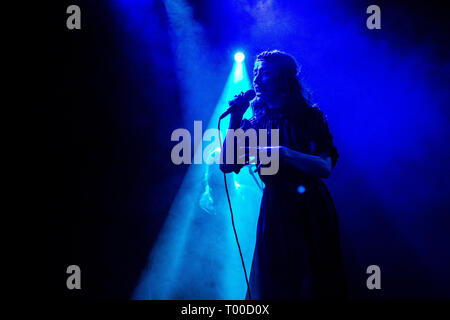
(297, 253)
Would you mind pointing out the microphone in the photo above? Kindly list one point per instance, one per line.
(239, 102)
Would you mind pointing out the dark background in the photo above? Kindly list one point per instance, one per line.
(106, 181)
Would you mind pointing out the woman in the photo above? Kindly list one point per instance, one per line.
(297, 252)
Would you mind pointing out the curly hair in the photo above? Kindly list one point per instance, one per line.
(297, 97)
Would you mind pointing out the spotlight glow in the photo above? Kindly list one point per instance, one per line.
(301, 189)
(187, 261)
(239, 57)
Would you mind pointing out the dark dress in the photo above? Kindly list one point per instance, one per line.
(297, 252)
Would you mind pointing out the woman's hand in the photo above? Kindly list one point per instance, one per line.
(252, 152)
(310, 164)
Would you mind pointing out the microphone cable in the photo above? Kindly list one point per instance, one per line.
(232, 218)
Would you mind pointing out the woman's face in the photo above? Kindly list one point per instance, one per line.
(265, 81)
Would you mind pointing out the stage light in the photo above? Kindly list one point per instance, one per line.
(239, 57)
(301, 189)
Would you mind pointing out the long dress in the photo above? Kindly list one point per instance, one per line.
(297, 252)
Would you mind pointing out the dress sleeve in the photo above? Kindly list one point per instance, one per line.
(322, 140)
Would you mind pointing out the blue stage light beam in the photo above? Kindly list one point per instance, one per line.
(239, 57)
(196, 256)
